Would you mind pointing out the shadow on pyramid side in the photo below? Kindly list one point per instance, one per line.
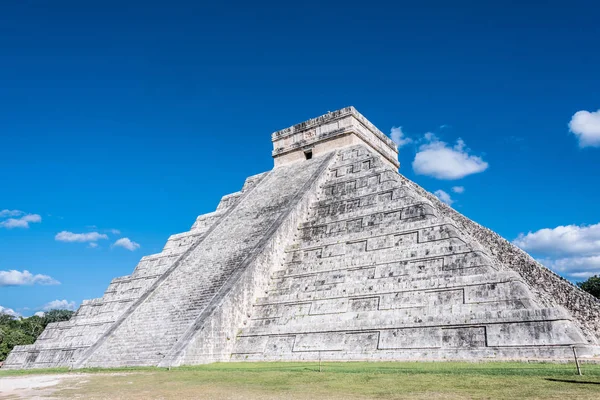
(331, 255)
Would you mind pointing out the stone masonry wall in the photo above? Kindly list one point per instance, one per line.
(551, 289)
(378, 272)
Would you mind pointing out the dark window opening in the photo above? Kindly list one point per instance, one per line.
(308, 154)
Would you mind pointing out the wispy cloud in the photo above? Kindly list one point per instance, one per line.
(10, 213)
(60, 305)
(21, 278)
(18, 219)
(586, 126)
(444, 197)
(437, 159)
(9, 311)
(398, 136)
(458, 189)
(571, 250)
(126, 243)
(66, 236)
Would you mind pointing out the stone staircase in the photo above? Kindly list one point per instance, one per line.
(170, 316)
(62, 344)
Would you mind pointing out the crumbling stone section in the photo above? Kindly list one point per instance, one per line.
(551, 289)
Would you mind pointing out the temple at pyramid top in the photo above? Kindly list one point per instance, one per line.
(329, 132)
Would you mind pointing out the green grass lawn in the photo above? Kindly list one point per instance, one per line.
(406, 380)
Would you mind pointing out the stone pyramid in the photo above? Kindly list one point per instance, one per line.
(331, 255)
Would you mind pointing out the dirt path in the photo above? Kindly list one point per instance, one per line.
(36, 386)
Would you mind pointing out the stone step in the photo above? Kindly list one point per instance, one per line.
(404, 236)
(365, 205)
(362, 190)
(454, 261)
(396, 319)
(346, 185)
(366, 165)
(378, 215)
(353, 254)
(327, 233)
(347, 173)
(320, 288)
(368, 198)
(278, 348)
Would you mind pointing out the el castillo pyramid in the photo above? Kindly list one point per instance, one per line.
(331, 255)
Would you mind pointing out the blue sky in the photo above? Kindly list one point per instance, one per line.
(126, 120)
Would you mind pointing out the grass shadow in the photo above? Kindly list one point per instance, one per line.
(572, 381)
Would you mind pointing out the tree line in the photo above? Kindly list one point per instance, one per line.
(591, 285)
(18, 330)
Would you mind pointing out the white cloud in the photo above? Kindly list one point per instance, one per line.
(18, 278)
(579, 268)
(9, 311)
(40, 314)
(586, 126)
(31, 218)
(115, 231)
(444, 197)
(435, 158)
(398, 137)
(570, 250)
(10, 213)
(562, 240)
(93, 245)
(458, 189)
(14, 223)
(60, 305)
(126, 243)
(65, 236)
(430, 137)
(20, 222)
